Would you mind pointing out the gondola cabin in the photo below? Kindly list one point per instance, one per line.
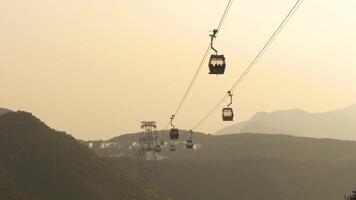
(217, 64)
(174, 134)
(149, 147)
(228, 114)
(189, 144)
(158, 148)
(161, 142)
(172, 147)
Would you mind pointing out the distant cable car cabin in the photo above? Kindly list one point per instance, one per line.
(161, 142)
(189, 144)
(174, 133)
(228, 113)
(217, 62)
(149, 147)
(172, 147)
(158, 148)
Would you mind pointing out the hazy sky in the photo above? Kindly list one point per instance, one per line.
(96, 68)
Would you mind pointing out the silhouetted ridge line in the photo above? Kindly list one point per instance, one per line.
(37, 162)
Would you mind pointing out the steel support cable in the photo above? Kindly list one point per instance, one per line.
(225, 14)
(210, 112)
(254, 61)
(269, 42)
(180, 105)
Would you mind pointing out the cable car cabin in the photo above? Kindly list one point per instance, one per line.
(149, 147)
(174, 134)
(228, 114)
(161, 142)
(172, 147)
(189, 144)
(217, 64)
(158, 148)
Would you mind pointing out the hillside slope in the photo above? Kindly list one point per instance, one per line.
(253, 167)
(39, 163)
(4, 110)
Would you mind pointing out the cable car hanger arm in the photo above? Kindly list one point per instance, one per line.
(172, 118)
(230, 95)
(212, 37)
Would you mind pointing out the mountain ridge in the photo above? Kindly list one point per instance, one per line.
(38, 162)
(250, 167)
(4, 111)
(336, 124)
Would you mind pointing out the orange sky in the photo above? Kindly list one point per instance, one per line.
(97, 68)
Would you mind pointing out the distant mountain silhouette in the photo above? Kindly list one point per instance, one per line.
(4, 110)
(37, 162)
(338, 124)
(252, 167)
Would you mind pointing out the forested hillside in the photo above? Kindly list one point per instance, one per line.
(39, 163)
(252, 167)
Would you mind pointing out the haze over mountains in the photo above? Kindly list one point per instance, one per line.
(337, 124)
(37, 162)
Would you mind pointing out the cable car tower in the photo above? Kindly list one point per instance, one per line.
(147, 151)
(148, 140)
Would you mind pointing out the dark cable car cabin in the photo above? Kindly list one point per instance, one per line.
(189, 144)
(172, 147)
(174, 134)
(217, 64)
(228, 114)
(158, 148)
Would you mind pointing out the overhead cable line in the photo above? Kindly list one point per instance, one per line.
(254, 61)
(221, 22)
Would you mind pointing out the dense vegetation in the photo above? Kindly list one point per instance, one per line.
(39, 163)
(254, 167)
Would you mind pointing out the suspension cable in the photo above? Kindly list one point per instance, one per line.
(254, 61)
(221, 22)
